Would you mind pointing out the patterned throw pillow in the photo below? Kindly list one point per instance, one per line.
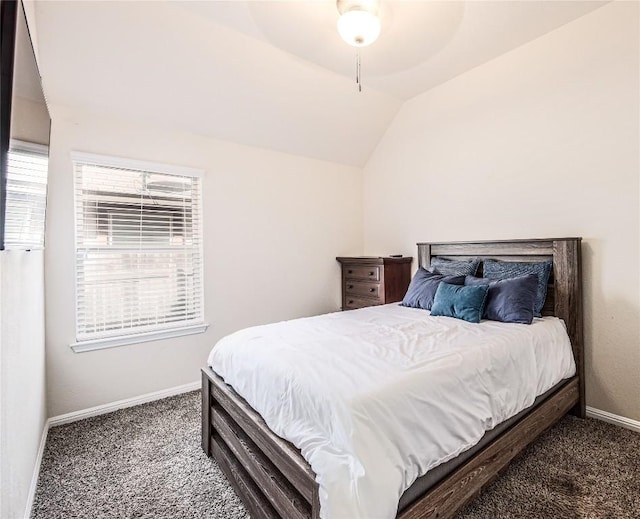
(454, 267)
(493, 269)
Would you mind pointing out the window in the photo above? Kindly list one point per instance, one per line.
(138, 251)
(26, 196)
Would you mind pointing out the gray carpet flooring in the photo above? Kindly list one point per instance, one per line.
(146, 462)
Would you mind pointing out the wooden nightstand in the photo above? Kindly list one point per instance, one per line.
(368, 281)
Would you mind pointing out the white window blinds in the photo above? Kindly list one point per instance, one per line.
(138, 249)
(26, 196)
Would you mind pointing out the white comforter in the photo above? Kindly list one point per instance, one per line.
(376, 397)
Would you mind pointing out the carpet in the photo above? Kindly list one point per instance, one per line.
(146, 462)
(143, 462)
(579, 469)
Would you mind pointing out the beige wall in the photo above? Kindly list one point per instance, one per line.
(30, 13)
(29, 121)
(540, 142)
(273, 225)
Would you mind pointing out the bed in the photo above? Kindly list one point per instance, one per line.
(273, 478)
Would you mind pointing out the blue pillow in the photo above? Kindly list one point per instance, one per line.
(509, 300)
(454, 267)
(465, 303)
(423, 286)
(493, 269)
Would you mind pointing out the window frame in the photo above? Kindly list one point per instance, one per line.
(182, 328)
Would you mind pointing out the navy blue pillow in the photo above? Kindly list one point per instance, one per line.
(493, 269)
(454, 267)
(423, 286)
(509, 300)
(465, 303)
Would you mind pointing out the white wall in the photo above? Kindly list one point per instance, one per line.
(540, 142)
(273, 225)
(22, 375)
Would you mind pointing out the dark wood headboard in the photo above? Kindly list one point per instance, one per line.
(564, 294)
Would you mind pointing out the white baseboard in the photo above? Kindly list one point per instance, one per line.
(36, 471)
(121, 404)
(614, 419)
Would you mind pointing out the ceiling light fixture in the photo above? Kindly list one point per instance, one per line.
(359, 26)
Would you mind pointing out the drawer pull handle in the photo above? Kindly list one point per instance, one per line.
(371, 273)
(372, 290)
(349, 271)
(350, 286)
(351, 302)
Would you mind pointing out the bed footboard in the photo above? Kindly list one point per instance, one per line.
(267, 472)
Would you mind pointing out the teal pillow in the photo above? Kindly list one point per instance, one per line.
(461, 302)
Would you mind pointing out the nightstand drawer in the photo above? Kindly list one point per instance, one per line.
(361, 288)
(353, 302)
(371, 273)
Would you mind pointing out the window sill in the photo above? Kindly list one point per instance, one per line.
(123, 340)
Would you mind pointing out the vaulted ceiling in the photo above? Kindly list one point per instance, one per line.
(272, 74)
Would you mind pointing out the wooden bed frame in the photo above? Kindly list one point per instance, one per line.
(273, 479)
